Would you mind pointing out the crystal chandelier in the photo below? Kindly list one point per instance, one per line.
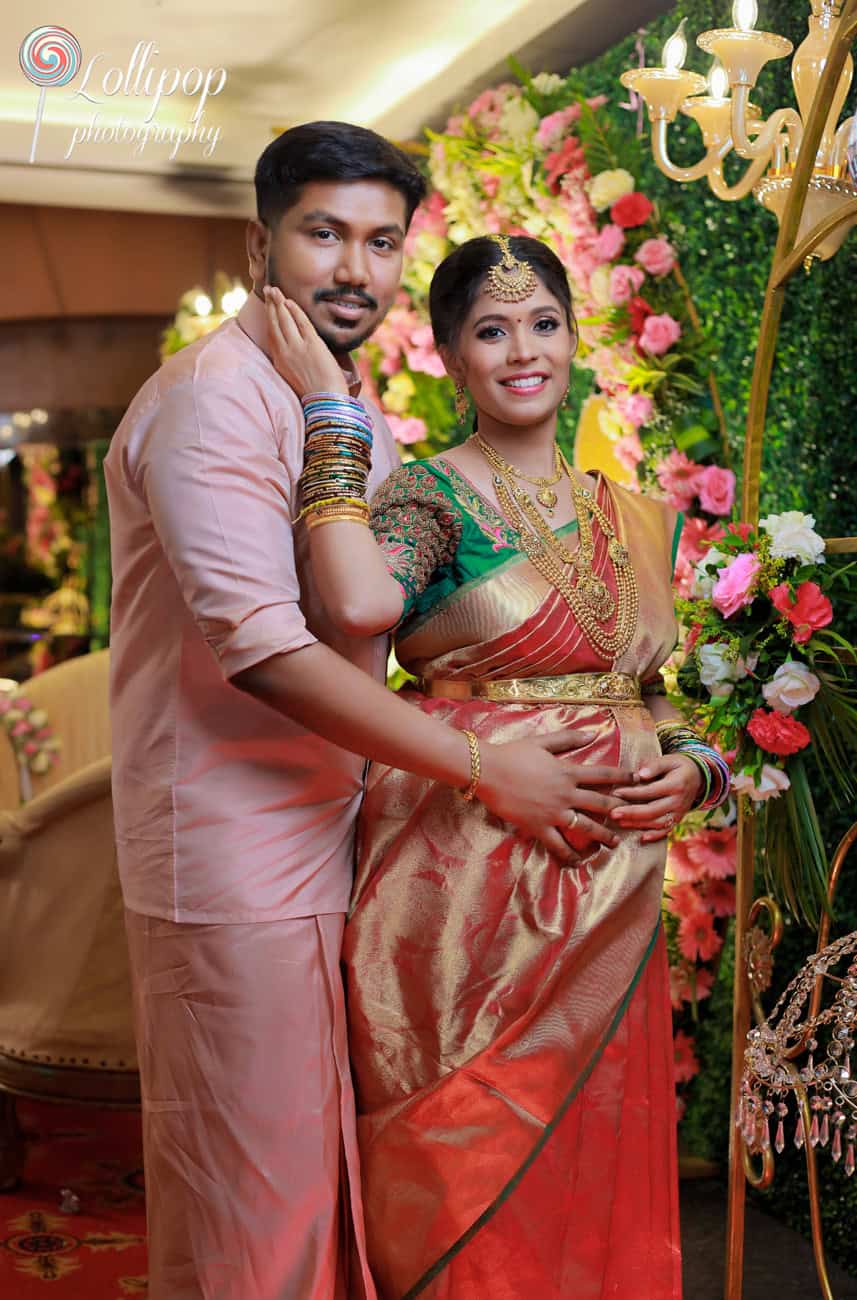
(823, 1085)
(730, 121)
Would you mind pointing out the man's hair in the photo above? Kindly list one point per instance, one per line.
(330, 151)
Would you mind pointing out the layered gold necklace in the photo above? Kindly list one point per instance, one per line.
(587, 595)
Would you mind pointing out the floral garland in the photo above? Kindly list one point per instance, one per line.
(35, 746)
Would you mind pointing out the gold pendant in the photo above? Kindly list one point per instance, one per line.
(596, 594)
(547, 498)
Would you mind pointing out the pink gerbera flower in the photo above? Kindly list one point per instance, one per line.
(686, 1064)
(697, 938)
(715, 852)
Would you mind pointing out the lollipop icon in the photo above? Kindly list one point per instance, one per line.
(49, 56)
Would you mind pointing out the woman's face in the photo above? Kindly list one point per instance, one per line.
(514, 358)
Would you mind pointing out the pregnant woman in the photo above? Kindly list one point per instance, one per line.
(509, 1011)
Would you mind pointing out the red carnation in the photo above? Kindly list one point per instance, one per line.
(638, 311)
(778, 733)
(740, 530)
(809, 611)
(631, 210)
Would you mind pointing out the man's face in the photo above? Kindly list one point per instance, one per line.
(338, 253)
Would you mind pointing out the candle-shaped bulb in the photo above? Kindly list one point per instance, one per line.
(202, 304)
(718, 81)
(675, 50)
(744, 14)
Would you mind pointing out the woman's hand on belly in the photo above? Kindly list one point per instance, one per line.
(667, 790)
(523, 783)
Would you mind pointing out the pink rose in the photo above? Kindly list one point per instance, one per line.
(659, 334)
(624, 283)
(717, 490)
(735, 587)
(610, 242)
(657, 256)
(406, 430)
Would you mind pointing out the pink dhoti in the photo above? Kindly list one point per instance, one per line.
(252, 1174)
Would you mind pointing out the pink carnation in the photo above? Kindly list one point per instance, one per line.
(553, 127)
(422, 355)
(679, 477)
(636, 408)
(717, 490)
(657, 256)
(624, 283)
(629, 451)
(659, 334)
(610, 242)
(736, 585)
(406, 429)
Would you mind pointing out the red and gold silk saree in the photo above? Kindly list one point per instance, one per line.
(509, 1020)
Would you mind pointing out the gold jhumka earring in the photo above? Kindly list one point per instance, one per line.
(511, 280)
(461, 402)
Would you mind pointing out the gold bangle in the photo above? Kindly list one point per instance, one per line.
(342, 518)
(475, 765)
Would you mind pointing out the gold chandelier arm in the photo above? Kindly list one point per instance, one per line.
(715, 155)
(784, 121)
(755, 171)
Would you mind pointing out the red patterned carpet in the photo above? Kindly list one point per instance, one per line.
(98, 1253)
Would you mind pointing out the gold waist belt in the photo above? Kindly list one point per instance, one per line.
(573, 688)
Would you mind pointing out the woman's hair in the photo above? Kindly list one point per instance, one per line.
(458, 280)
(330, 151)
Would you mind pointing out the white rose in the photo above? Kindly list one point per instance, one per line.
(703, 579)
(718, 670)
(607, 187)
(38, 718)
(793, 537)
(547, 82)
(791, 686)
(772, 782)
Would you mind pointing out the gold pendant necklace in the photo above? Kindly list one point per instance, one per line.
(546, 496)
(589, 597)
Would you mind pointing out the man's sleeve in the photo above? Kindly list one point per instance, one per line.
(218, 494)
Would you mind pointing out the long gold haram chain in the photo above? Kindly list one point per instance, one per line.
(588, 597)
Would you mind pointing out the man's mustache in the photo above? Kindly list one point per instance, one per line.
(331, 295)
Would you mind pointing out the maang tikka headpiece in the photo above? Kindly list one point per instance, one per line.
(511, 280)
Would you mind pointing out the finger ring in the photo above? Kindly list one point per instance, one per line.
(669, 820)
(573, 819)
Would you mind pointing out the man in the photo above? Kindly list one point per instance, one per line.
(234, 703)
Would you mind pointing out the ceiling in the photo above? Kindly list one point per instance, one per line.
(395, 65)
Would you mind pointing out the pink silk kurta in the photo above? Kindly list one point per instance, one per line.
(234, 830)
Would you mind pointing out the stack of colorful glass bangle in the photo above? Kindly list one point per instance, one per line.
(337, 459)
(676, 738)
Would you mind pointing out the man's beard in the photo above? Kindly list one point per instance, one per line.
(336, 342)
